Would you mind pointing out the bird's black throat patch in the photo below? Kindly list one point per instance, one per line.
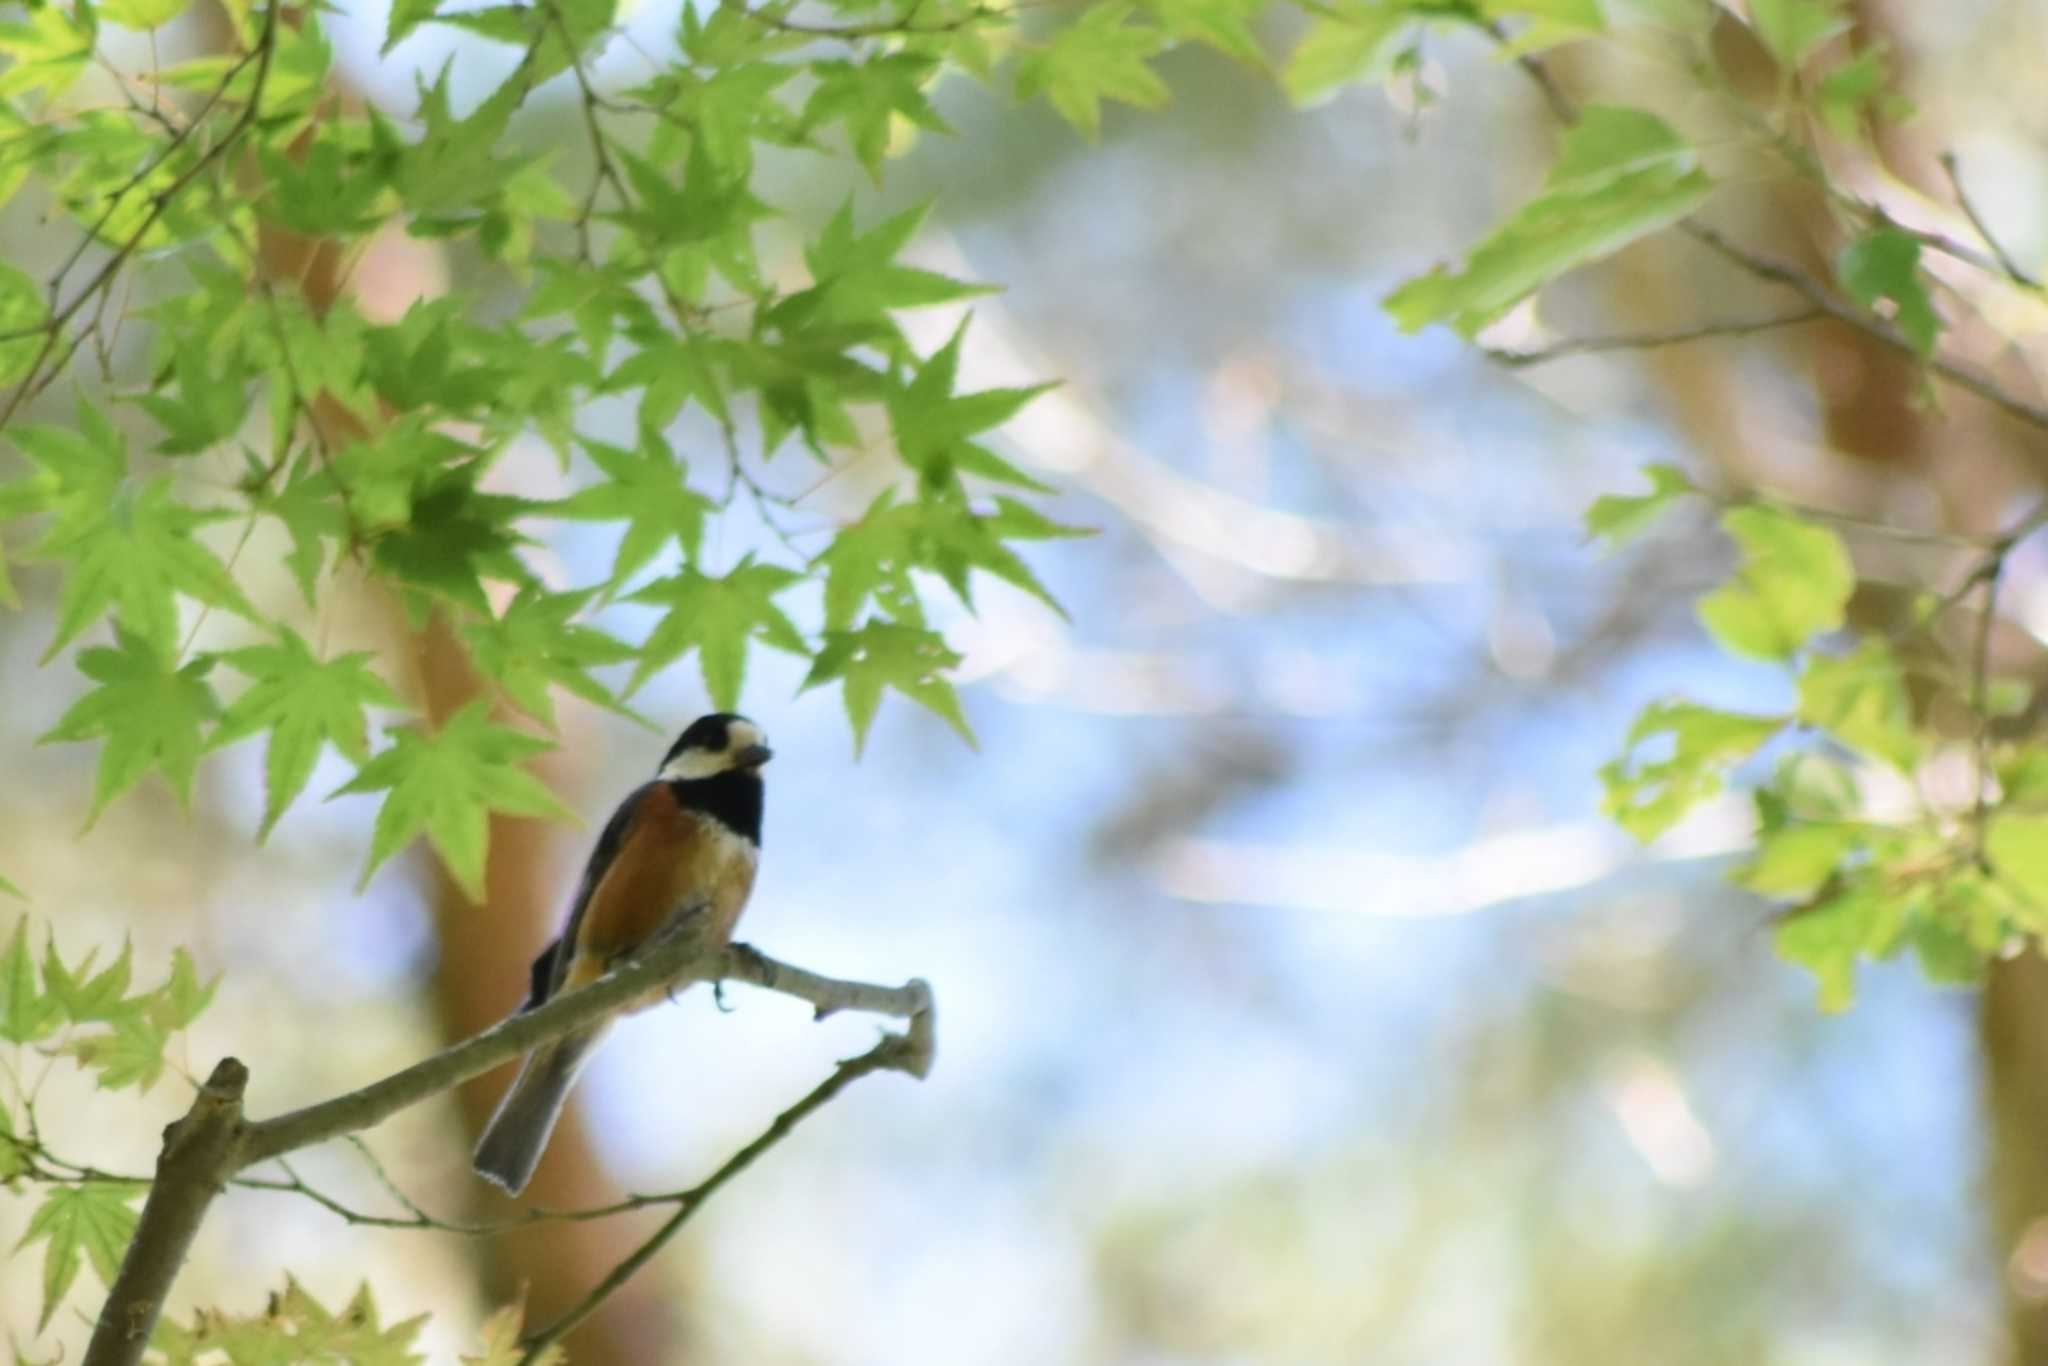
(733, 797)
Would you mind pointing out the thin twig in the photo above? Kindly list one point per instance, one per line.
(2005, 261)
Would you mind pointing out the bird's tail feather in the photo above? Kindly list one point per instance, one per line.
(518, 1133)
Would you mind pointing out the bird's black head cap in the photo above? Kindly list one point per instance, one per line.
(712, 733)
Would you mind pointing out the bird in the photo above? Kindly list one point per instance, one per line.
(685, 843)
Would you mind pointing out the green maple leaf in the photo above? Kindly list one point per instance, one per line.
(932, 423)
(1620, 175)
(864, 96)
(14, 1160)
(406, 15)
(83, 995)
(89, 1220)
(128, 1053)
(649, 490)
(431, 359)
(21, 309)
(1359, 40)
(1795, 29)
(149, 712)
(450, 171)
(717, 617)
(209, 404)
(323, 190)
(1097, 58)
(455, 537)
(858, 281)
(26, 1012)
(179, 1001)
(134, 558)
(312, 514)
(80, 470)
(873, 557)
(724, 104)
(709, 209)
(444, 784)
(671, 371)
(1223, 24)
(889, 655)
(49, 51)
(535, 645)
(144, 14)
(305, 702)
(8, 597)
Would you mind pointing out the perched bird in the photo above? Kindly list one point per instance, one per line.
(684, 843)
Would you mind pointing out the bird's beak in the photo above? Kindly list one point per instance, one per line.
(753, 756)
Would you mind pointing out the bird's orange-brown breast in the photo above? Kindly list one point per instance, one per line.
(669, 857)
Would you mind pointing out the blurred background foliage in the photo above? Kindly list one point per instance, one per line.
(1298, 1003)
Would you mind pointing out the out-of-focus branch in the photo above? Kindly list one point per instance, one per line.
(1646, 341)
(907, 1052)
(1869, 324)
(1824, 300)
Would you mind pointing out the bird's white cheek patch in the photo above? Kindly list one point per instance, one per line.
(693, 764)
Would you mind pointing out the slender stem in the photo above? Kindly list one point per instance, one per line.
(1969, 208)
(895, 1053)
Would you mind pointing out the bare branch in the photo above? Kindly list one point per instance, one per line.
(198, 1152)
(674, 963)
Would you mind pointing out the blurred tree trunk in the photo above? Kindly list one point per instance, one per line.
(1981, 462)
(2013, 1024)
(479, 978)
(1977, 463)
(481, 971)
